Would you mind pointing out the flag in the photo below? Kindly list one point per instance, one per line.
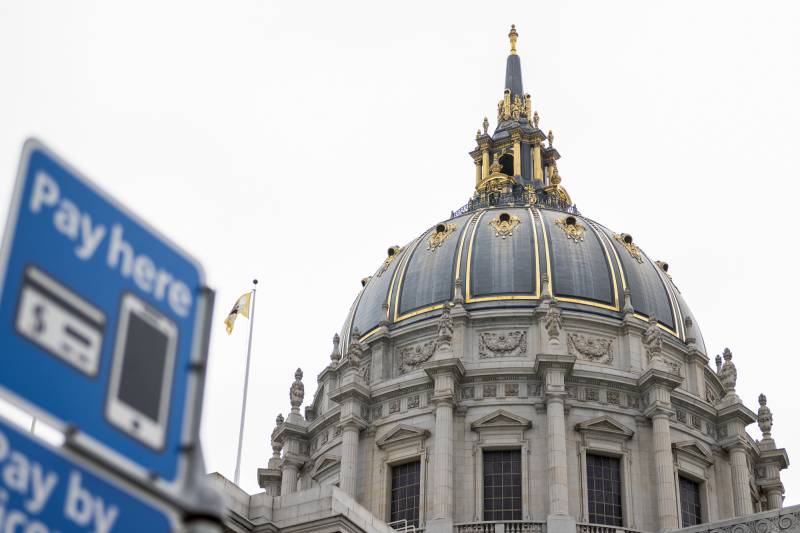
(241, 307)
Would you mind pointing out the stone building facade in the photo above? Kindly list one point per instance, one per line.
(521, 366)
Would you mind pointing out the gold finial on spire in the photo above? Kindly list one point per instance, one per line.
(512, 35)
(485, 125)
(550, 138)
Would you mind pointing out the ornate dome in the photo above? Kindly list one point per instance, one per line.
(519, 230)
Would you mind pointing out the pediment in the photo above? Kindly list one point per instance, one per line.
(694, 449)
(605, 425)
(501, 419)
(324, 463)
(402, 433)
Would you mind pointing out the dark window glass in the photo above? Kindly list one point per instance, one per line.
(405, 494)
(691, 512)
(604, 489)
(502, 485)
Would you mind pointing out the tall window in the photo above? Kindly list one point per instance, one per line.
(405, 493)
(502, 485)
(604, 490)
(691, 512)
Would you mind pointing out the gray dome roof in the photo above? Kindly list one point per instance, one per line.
(502, 257)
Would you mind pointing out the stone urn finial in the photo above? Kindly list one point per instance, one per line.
(336, 354)
(718, 363)
(764, 418)
(652, 341)
(727, 374)
(279, 419)
(444, 332)
(354, 350)
(553, 324)
(297, 391)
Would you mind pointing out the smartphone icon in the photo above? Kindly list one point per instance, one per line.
(141, 373)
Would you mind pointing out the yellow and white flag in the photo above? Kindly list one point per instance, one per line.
(241, 307)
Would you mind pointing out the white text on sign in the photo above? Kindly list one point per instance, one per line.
(89, 235)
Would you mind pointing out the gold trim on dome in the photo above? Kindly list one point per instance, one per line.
(401, 272)
(504, 225)
(506, 297)
(437, 238)
(627, 241)
(569, 299)
(573, 230)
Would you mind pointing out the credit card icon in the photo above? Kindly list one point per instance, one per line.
(59, 321)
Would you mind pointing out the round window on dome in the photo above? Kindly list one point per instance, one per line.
(505, 217)
(440, 228)
(627, 238)
(571, 221)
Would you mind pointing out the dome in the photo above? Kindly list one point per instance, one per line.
(504, 257)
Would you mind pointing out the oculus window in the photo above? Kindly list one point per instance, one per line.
(604, 490)
(405, 494)
(502, 485)
(691, 511)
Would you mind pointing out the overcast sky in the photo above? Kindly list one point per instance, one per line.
(295, 141)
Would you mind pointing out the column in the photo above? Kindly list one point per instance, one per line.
(557, 455)
(478, 172)
(665, 475)
(538, 171)
(349, 461)
(517, 156)
(485, 162)
(740, 477)
(443, 460)
(774, 499)
(288, 478)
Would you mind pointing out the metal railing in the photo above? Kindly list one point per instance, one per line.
(516, 199)
(504, 526)
(599, 528)
(404, 526)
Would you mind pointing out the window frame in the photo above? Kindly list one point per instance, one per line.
(693, 462)
(605, 436)
(501, 430)
(699, 485)
(401, 444)
(619, 460)
(483, 485)
(390, 488)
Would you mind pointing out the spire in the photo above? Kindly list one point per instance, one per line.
(514, 68)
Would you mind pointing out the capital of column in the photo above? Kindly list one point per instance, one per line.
(553, 369)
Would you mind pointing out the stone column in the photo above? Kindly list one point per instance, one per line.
(485, 161)
(657, 383)
(517, 154)
(665, 476)
(288, 478)
(553, 368)
(443, 459)
(446, 371)
(349, 460)
(740, 478)
(774, 499)
(557, 455)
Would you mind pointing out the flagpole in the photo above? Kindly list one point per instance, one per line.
(246, 380)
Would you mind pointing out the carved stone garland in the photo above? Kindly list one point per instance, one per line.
(511, 344)
(590, 348)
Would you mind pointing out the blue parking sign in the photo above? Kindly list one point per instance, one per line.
(45, 489)
(101, 320)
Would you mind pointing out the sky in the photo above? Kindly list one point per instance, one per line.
(294, 142)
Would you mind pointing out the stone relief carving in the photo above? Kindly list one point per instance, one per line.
(413, 401)
(612, 397)
(510, 344)
(444, 333)
(413, 356)
(438, 237)
(573, 230)
(394, 406)
(590, 348)
(652, 340)
(467, 393)
(512, 389)
(490, 391)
